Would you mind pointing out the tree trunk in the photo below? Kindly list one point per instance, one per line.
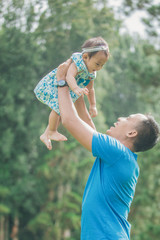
(15, 229)
(2, 228)
(6, 229)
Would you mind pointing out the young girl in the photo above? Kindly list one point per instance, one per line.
(80, 78)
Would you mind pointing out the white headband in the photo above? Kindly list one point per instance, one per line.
(94, 49)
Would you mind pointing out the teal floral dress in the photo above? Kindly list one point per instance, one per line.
(47, 92)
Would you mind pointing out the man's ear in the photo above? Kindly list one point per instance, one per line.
(85, 56)
(132, 133)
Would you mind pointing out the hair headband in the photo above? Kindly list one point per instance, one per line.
(94, 49)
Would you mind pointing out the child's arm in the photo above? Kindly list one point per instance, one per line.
(70, 77)
(92, 99)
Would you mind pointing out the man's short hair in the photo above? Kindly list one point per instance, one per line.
(148, 134)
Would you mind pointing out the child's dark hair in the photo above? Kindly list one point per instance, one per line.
(95, 42)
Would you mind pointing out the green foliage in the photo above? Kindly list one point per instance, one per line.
(4, 209)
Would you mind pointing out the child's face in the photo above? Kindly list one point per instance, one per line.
(96, 62)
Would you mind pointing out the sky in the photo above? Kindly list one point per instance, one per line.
(132, 23)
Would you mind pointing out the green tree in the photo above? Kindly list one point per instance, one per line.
(19, 69)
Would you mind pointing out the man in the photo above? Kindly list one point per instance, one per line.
(111, 185)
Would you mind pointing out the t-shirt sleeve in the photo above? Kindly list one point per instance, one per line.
(78, 60)
(107, 148)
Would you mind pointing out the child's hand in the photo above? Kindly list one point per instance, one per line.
(93, 111)
(80, 91)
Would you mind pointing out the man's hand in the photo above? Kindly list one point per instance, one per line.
(93, 111)
(62, 70)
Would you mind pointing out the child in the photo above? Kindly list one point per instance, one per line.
(80, 78)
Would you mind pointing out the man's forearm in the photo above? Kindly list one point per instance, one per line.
(65, 103)
(67, 109)
(70, 119)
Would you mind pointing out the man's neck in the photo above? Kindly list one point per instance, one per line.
(128, 144)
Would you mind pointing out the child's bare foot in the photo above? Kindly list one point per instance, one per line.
(46, 141)
(56, 136)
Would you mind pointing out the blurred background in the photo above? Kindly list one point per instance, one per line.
(40, 190)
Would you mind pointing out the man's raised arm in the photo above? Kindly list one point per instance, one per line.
(70, 119)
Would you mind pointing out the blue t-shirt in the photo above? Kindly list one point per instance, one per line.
(109, 191)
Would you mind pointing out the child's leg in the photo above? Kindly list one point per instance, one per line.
(44, 138)
(51, 131)
(83, 112)
(53, 134)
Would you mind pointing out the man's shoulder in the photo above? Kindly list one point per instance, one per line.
(108, 140)
(107, 148)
